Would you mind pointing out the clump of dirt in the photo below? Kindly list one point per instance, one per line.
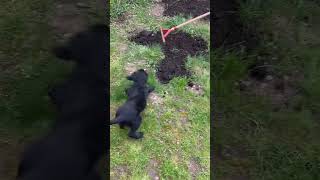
(176, 49)
(187, 8)
(195, 88)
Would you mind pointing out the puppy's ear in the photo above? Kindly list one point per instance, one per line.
(62, 53)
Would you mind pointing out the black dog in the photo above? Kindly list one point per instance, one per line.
(129, 113)
(78, 140)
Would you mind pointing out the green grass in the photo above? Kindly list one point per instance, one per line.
(168, 140)
(256, 141)
(119, 7)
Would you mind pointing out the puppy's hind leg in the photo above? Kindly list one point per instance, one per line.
(135, 126)
(121, 125)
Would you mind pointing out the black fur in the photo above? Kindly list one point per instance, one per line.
(77, 141)
(129, 113)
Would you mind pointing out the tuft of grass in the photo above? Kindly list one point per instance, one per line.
(119, 7)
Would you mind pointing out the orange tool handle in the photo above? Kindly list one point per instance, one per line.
(191, 20)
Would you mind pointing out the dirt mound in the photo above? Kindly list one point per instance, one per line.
(186, 8)
(178, 46)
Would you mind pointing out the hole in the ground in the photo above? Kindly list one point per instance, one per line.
(176, 49)
(258, 73)
(190, 84)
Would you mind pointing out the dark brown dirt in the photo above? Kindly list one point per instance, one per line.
(229, 32)
(178, 46)
(187, 8)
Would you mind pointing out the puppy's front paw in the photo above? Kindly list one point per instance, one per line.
(136, 135)
(140, 135)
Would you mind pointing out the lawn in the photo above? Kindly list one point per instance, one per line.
(176, 121)
(268, 129)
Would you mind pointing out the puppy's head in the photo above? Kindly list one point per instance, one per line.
(140, 76)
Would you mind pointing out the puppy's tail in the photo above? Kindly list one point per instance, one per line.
(116, 121)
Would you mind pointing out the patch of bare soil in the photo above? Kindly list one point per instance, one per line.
(264, 83)
(152, 169)
(122, 18)
(120, 172)
(157, 10)
(130, 67)
(155, 99)
(187, 8)
(194, 167)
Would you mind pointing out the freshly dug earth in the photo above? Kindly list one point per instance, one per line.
(228, 31)
(176, 49)
(187, 8)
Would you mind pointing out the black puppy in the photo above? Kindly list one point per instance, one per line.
(78, 140)
(129, 113)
